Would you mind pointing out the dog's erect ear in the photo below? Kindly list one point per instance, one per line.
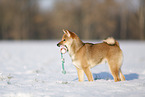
(68, 33)
(64, 31)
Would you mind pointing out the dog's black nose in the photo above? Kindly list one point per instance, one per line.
(58, 44)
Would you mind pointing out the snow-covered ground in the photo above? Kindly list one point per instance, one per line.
(33, 69)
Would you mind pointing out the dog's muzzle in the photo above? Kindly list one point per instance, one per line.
(58, 45)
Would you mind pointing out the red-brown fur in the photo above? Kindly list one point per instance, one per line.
(86, 55)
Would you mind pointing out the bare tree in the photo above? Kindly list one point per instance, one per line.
(142, 19)
(90, 19)
(123, 21)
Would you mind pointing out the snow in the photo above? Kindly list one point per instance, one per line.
(33, 69)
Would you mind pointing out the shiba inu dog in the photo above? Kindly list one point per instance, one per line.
(87, 55)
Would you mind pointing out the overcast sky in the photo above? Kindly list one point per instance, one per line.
(48, 4)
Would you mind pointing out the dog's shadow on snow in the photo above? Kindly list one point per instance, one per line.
(108, 76)
(131, 76)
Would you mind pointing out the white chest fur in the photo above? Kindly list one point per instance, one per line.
(76, 62)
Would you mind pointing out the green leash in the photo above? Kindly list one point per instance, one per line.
(62, 60)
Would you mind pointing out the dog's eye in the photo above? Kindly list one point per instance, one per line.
(64, 40)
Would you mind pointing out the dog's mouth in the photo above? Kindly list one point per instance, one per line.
(64, 46)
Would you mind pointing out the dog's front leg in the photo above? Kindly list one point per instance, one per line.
(88, 73)
(80, 74)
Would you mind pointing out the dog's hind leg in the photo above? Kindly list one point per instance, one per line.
(122, 76)
(80, 74)
(114, 70)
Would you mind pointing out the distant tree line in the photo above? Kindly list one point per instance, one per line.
(90, 19)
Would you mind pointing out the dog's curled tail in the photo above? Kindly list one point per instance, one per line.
(111, 41)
